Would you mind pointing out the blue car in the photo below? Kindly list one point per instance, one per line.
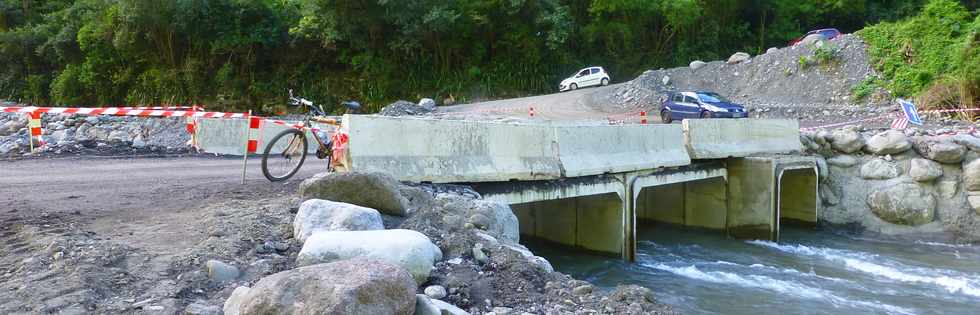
(682, 105)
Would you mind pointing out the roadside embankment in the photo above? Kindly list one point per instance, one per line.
(902, 183)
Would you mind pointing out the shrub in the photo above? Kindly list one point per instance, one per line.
(865, 88)
(914, 52)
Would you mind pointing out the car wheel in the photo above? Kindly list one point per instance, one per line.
(573, 86)
(705, 114)
(665, 117)
(605, 81)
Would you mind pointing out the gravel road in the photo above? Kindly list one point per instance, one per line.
(586, 104)
(131, 186)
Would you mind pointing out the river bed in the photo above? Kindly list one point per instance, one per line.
(808, 272)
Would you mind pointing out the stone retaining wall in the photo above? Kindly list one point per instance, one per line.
(897, 182)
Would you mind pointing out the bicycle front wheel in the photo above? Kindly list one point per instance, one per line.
(284, 155)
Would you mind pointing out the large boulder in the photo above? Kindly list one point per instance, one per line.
(924, 170)
(409, 249)
(373, 190)
(812, 39)
(888, 142)
(846, 140)
(428, 103)
(324, 215)
(697, 64)
(738, 57)
(233, 304)
(494, 217)
(941, 151)
(969, 141)
(354, 286)
(903, 203)
(971, 176)
(843, 161)
(879, 169)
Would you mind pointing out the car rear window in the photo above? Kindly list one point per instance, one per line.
(678, 98)
(595, 70)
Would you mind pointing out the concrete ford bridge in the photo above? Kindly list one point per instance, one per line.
(587, 186)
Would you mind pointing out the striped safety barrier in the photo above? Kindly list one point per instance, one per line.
(897, 123)
(253, 134)
(117, 111)
(34, 123)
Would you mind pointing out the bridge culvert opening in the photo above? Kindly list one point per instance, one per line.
(592, 223)
(797, 199)
(695, 204)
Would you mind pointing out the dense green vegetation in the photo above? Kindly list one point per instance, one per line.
(237, 54)
(935, 52)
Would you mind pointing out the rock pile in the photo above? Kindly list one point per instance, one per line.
(900, 182)
(371, 245)
(406, 108)
(65, 134)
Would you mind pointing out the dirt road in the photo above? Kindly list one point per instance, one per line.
(84, 235)
(580, 105)
(131, 185)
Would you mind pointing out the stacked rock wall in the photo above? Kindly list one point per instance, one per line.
(897, 182)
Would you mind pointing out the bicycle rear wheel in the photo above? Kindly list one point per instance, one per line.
(284, 155)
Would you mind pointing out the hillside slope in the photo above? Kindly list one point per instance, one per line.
(777, 78)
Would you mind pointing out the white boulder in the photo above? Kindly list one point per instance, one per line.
(888, 142)
(812, 39)
(697, 64)
(325, 215)
(738, 57)
(409, 249)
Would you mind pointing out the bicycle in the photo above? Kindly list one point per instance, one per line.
(285, 154)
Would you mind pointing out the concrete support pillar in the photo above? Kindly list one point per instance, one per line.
(761, 190)
(751, 198)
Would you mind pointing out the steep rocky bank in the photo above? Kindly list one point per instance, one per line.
(914, 182)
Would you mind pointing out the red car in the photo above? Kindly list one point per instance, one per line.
(828, 33)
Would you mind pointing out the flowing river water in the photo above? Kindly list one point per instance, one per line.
(807, 272)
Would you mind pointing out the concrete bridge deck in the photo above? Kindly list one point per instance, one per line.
(588, 185)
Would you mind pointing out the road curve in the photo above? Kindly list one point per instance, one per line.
(579, 105)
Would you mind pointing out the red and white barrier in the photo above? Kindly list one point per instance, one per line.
(892, 116)
(120, 111)
(643, 117)
(34, 123)
(253, 134)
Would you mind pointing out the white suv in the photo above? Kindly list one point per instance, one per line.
(585, 77)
